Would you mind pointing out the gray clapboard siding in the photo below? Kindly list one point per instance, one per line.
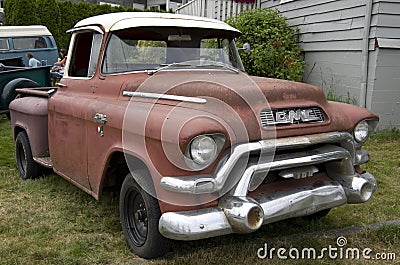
(325, 24)
(322, 8)
(352, 34)
(335, 15)
(388, 8)
(387, 23)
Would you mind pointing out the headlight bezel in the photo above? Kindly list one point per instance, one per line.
(218, 139)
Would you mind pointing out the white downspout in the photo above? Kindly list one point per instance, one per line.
(365, 54)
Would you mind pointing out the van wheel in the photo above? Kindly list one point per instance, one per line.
(139, 215)
(27, 167)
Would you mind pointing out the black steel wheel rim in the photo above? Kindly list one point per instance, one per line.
(136, 217)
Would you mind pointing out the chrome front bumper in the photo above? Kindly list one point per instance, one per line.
(216, 181)
(237, 212)
(210, 222)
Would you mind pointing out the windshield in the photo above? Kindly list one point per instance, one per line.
(157, 48)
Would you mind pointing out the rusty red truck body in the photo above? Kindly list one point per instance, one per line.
(159, 105)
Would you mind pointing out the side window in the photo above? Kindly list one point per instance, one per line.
(83, 58)
(94, 55)
(3, 44)
(29, 43)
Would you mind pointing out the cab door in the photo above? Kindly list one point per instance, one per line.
(68, 109)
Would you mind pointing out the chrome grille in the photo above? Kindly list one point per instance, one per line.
(291, 116)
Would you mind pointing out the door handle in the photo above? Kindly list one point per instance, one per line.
(100, 118)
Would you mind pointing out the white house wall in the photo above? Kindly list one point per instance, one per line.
(384, 76)
(384, 99)
(335, 71)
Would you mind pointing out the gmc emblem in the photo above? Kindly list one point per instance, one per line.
(291, 116)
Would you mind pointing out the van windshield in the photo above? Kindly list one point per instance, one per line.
(155, 48)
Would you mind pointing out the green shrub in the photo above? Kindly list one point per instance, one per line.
(275, 51)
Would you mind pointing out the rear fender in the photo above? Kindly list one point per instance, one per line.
(30, 114)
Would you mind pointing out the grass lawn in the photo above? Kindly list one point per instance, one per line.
(50, 221)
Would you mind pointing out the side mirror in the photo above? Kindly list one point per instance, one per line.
(246, 48)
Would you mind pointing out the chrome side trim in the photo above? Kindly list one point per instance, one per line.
(164, 96)
(210, 222)
(215, 182)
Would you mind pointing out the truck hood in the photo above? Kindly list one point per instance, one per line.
(230, 95)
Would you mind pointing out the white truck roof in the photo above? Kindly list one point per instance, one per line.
(23, 31)
(122, 20)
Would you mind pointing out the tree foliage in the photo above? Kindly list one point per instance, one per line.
(275, 51)
(48, 12)
(20, 12)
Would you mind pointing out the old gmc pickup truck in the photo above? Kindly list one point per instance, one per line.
(160, 106)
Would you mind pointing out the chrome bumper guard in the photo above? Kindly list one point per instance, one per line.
(238, 213)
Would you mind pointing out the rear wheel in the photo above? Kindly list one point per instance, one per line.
(140, 214)
(27, 167)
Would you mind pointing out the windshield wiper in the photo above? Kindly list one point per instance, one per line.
(165, 66)
(220, 64)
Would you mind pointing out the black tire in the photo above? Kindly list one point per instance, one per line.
(27, 167)
(139, 215)
(318, 215)
(9, 93)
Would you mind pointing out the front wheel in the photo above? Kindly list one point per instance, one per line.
(27, 167)
(139, 215)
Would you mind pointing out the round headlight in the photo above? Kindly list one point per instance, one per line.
(361, 131)
(203, 150)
